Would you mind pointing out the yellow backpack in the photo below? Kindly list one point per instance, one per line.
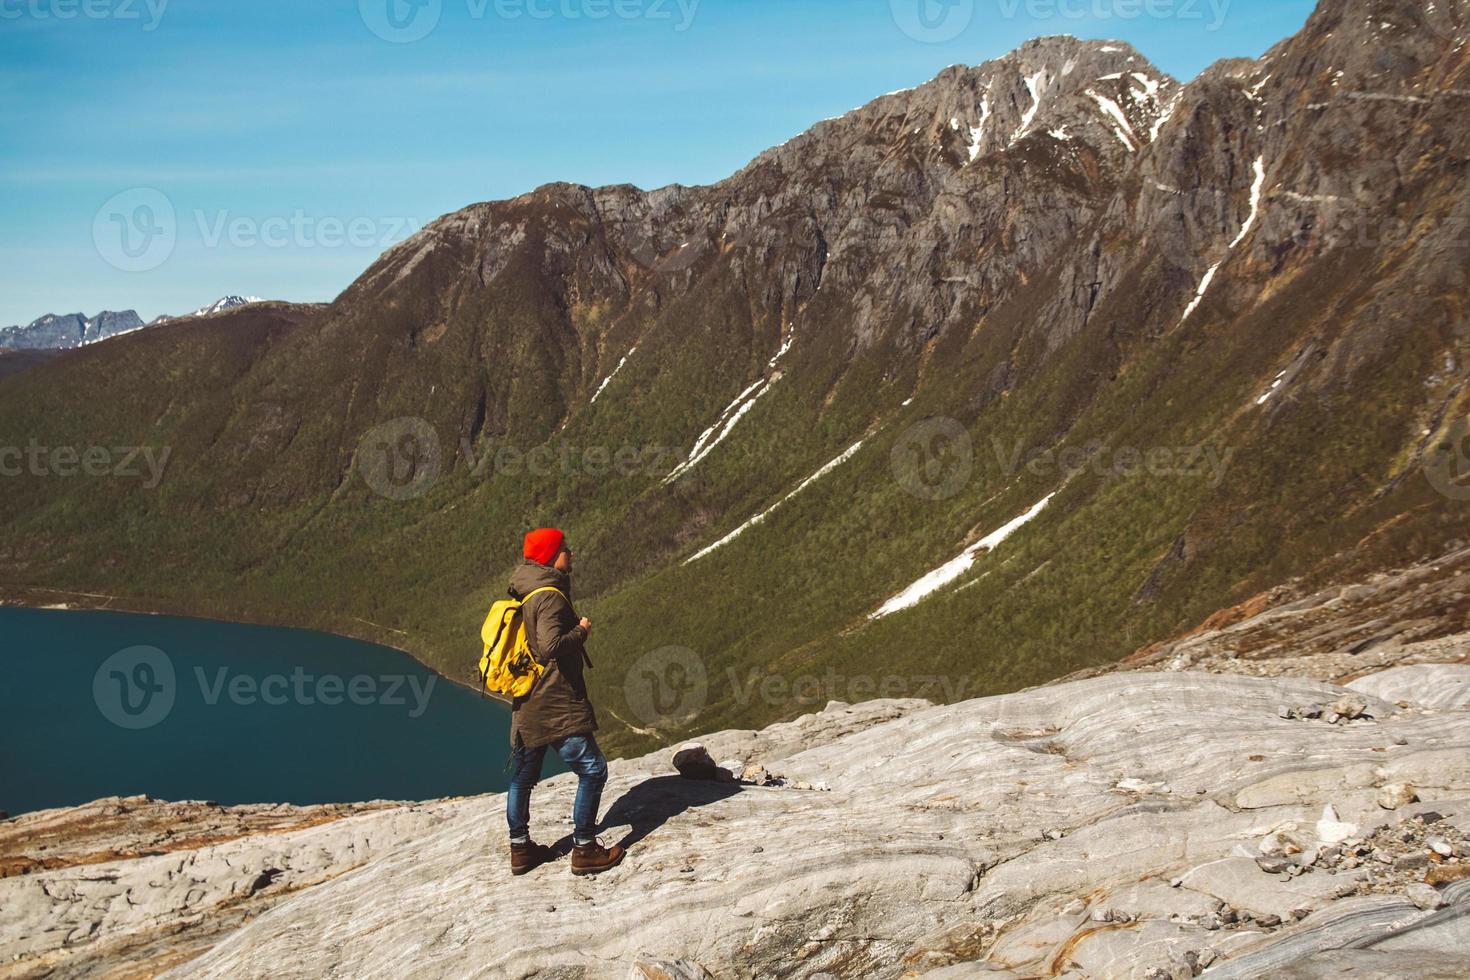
(507, 666)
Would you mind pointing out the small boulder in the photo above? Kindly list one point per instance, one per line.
(1349, 706)
(1395, 795)
(1273, 864)
(1425, 897)
(693, 761)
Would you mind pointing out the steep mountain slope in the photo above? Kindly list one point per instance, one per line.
(1219, 328)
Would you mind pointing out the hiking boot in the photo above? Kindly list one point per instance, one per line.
(528, 856)
(593, 858)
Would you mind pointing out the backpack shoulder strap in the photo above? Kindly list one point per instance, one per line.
(530, 633)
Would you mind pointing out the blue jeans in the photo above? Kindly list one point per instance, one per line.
(583, 757)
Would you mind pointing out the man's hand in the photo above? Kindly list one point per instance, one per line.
(586, 625)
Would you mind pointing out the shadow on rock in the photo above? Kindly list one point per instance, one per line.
(653, 802)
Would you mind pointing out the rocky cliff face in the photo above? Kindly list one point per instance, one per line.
(1216, 327)
(1147, 823)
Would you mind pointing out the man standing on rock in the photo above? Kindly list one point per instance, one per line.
(557, 712)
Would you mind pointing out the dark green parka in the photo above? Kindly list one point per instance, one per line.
(558, 706)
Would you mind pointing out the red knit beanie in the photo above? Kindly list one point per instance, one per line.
(543, 545)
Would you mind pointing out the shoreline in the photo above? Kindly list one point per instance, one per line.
(23, 598)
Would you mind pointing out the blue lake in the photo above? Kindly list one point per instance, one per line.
(100, 704)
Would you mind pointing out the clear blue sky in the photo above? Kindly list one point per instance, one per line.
(293, 143)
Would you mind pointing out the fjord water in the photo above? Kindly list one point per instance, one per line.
(100, 704)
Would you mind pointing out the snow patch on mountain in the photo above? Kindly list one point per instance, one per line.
(1036, 85)
(732, 414)
(951, 570)
(977, 132)
(1204, 287)
(827, 468)
(614, 374)
(1121, 127)
(1275, 384)
(707, 440)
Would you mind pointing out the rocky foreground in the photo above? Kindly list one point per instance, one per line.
(1157, 824)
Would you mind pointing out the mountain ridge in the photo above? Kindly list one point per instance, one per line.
(63, 331)
(53, 332)
(1259, 265)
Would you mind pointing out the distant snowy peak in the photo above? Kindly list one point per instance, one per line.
(218, 306)
(225, 303)
(53, 332)
(63, 332)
